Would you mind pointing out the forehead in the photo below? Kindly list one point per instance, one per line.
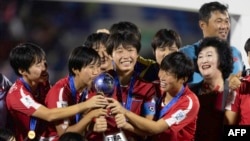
(219, 15)
(208, 49)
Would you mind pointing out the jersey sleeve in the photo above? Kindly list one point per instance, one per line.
(182, 114)
(21, 100)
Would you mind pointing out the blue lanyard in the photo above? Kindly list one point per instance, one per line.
(130, 91)
(172, 102)
(73, 92)
(33, 120)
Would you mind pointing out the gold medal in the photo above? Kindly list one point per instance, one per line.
(31, 134)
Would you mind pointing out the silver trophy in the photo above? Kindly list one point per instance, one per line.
(104, 84)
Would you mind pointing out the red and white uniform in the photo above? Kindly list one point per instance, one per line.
(59, 96)
(142, 93)
(239, 101)
(181, 118)
(21, 104)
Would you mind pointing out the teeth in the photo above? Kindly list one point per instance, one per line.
(205, 66)
(127, 62)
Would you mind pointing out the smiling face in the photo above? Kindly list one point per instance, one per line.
(208, 62)
(37, 72)
(169, 82)
(125, 58)
(217, 25)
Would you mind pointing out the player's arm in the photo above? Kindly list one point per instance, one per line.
(122, 122)
(60, 113)
(149, 126)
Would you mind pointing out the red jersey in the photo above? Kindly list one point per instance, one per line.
(21, 104)
(60, 95)
(143, 104)
(238, 101)
(181, 118)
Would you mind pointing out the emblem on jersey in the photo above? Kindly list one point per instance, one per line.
(27, 101)
(61, 104)
(179, 116)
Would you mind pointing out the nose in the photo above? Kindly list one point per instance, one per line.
(45, 66)
(96, 70)
(101, 54)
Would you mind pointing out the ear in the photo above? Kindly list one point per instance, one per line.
(202, 24)
(185, 80)
(75, 71)
(22, 71)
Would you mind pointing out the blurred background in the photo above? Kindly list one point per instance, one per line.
(59, 26)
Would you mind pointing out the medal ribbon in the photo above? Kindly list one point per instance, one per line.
(33, 120)
(130, 91)
(172, 102)
(74, 92)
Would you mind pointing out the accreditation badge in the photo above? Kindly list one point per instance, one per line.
(31, 134)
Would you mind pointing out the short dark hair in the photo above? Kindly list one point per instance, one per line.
(166, 37)
(81, 57)
(247, 45)
(95, 39)
(207, 8)
(124, 39)
(125, 26)
(224, 52)
(71, 136)
(24, 55)
(179, 64)
(6, 134)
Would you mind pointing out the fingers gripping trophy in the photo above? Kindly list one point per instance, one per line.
(104, 84)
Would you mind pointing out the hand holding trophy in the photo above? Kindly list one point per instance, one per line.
(104, 84)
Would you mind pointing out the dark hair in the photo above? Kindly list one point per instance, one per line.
(207, 8)
(225, 57)
(247, 45)
(81, 57)
(165, 37)
(123, 39)
(179, 64)
(95, 39)
(125, 26)
(6, 134)
(24, 55)
(71, 136)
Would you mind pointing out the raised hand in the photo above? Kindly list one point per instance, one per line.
(234, 81)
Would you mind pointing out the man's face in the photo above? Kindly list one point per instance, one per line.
(218, 25)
